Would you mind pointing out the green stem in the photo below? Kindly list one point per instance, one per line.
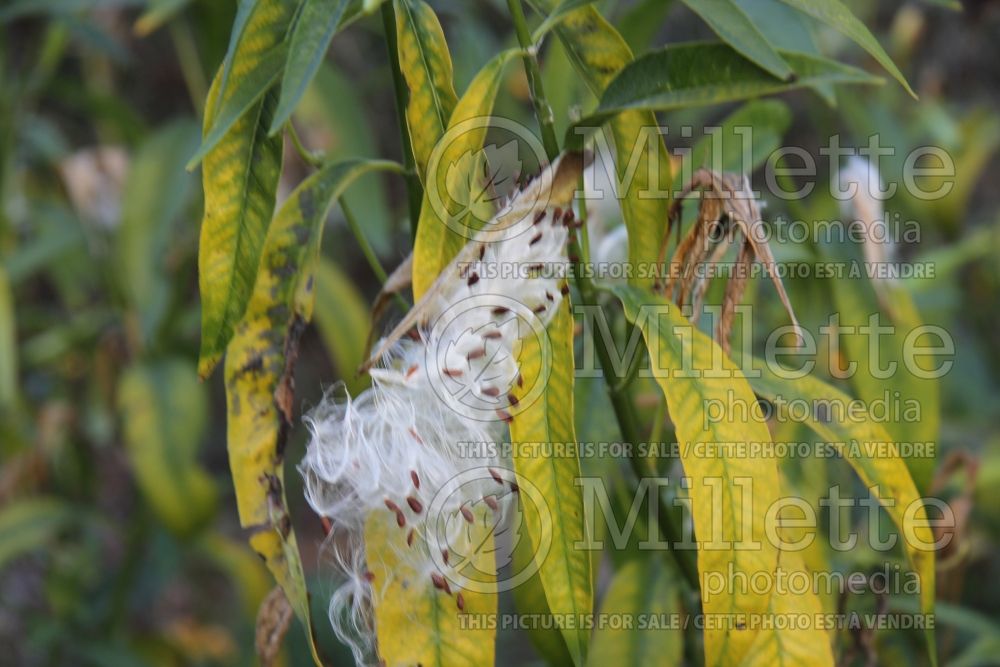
(312, 159)
(542, 109)
(414, 191)
(618, 392)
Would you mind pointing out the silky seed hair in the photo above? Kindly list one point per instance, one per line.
(385, 454)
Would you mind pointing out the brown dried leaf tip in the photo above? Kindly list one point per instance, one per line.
(728, 214)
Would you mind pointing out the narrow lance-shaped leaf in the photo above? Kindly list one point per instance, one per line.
(870, 450)
(564, 571)
(643, 182)
(240, 178)
(456, 201)
(700, 74)
(259, 361)
(30, 523)
(426, 65)
(788, 645)
(253, 65)
(836, 14)
(648, 589)
(315, 26)
(729, 495)
(163, 408)
(732, 24)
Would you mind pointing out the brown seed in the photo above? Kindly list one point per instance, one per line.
(369, 576)
(416, 436)
(496, 476)
(452, 372)
(535, 239)
(438, 581)
(400, 519)
(564, 290)
(411, 370)
(476, 354)
(415, 479)
(482, 251)
(512, 399)
(539, 217)
(505, 416)
(520, 380)
(567, 216)
(549, 296)
(409, 537)
(414, 504)
(491, 391)
(460, 602)
(492, 335)
(514, 488)
(392, 507)
(467, 514)
(491, 501)
(540, 309)
(534, 268)
(473, 279)
(499, 310)
(444, 556)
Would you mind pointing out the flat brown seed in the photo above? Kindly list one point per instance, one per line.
(414, 504)
(415, 479)
(467, 514)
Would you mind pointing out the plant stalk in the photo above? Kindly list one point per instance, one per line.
(414, 191)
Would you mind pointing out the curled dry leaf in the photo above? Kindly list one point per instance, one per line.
(727, 213)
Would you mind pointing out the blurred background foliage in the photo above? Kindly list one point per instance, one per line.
(118, 536)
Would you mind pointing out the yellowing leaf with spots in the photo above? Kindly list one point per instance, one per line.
(259, 361)
(426, 65)
(729, 495)
(565, 568)
(598, 53)
(240, 178)
(253, 65)
(448, 220)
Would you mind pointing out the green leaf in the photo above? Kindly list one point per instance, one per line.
(735, 28)
(437, 240)
(693, 373)
(315, 26)
(240, 178)
(724, 148)
(163, 408)
(700, 74)
(27, 524)
(565, 570)
(255, 61)
(836, 14)
(156, 192)
(259, 361)
(426, 65)
(870, 450)
(343, 321)
(642, 588)
(598, 53)
(8, 344)
(556, 16)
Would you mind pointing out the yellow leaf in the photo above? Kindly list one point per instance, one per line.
(240, 178)
(870, 450)
(418, 624)
(259, 361)
(598, 53)
(445, 226)
(426, 65)
(729, 496)
(564, 571)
